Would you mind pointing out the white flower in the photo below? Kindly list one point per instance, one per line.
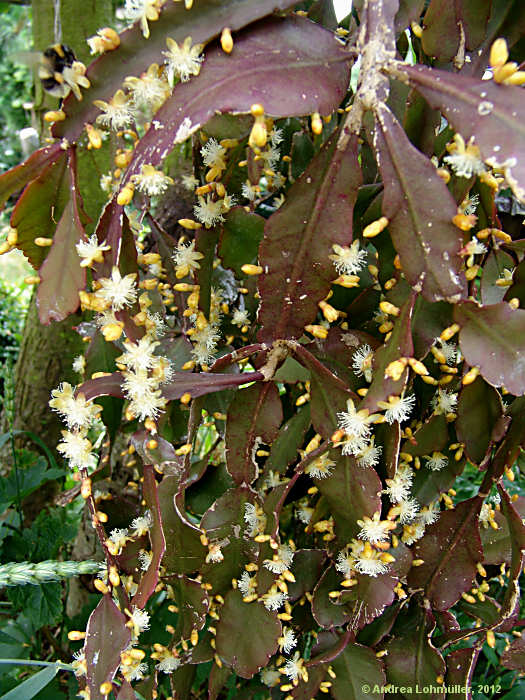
(345, 564)
(304, 513)
(408, 510)
(294, 667)
(117, 540)
(117, 113)
(274, 598)
(117, 290)
(149, 91)
(77, 412)
(145, 399)
(186, 259)
(79, 364)
(270, 677)
(142, 524)
(91, 251)
(145, 559)
(208, 212)
(449, 350)
(169, 664)
(374, 529)
(465, 160)
(367, 560)
(270, 157)
(139, 356)
(205, 344)
(76, 448)
(470, 204)
(413, 532)
(429, 514)
(151, 181)
(215, 555)
(134, 671)
(348, 261)
(397, 489)
(356, 423)
(321, 468)
(247, 584)
(475, 247)
(444, 402)
(183, 61)
(249, 191)
(369, 457)
(287, 640)
(254, 518)
(276, 136)
(79, 664)
(213, 154)
(138, 620)
(362, 362)
(437, 462)
(281, 560)
(241, 317)
(189, 182)
(397, 408)
(142, 10)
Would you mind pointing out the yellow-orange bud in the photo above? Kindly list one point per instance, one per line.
(43, 242)
(125, 195)
(317, 124)
(375, 228)
(226, 40)
(499, 53)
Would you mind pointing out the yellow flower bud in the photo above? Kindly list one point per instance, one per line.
(389, 308)
(189, 224)
(106, 688)
(258, 134)
(252, 269)
(470, 376)
(317, 124)
(94, 136)
(43, 242)
(226, 40)
(125, 195)
(417, 29)
(503, 73)
(317, 331)
(499, 53)
(54, 116)
(257, 110)
(112, 331)
(12, 237)
(375, 228)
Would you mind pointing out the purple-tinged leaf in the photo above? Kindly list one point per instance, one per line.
(17, 178)
(428, 322)
(280, 52)
(446, 24)
(184, 551)
(206, 20)
(429, 485)
(110, 385)
(510, 448)
(106, 636)
(307, 690)
(126, 692)
(409, 11)
(514, 656)
(497, 544)
(490, 112)
(431, 437)
(193, 603)
(411, 660)
(352, 492)
(306, 567)
(420, 209)
(224, 522)
(450, 550)
(254, 417)
(517, 542)
(491, 338)
(285, 447)
(357, 669)
(298, 239)
(461, 664)
(373, 594)
(150, 578)
(326, 613)
(517, 289)
(198, 384)
(61, 275)
(181, 680)
(399, 345)
(493, 268)
(388, 437)
(479, 408)
(39, 209)
(378, 629)
(247, 634)
(216, 680)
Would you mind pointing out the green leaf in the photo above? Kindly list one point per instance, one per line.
(431, 437)
(44, 602)
(25, 481)
(246, 653)
(357, 669)
(491, 339)
(254, 416)
(193, 604)
(298, 240)
(240, 238)
(100, 357)
(479, 409)
(419, 209)
(285, 447)
(33, 685)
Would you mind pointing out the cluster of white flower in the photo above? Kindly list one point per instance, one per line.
(78, 414)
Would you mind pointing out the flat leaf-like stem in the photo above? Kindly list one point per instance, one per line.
(298, 239)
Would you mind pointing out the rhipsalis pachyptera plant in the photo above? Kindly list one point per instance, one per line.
(305, 366)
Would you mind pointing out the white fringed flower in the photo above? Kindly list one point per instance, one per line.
(183, 61)
(348, 260)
